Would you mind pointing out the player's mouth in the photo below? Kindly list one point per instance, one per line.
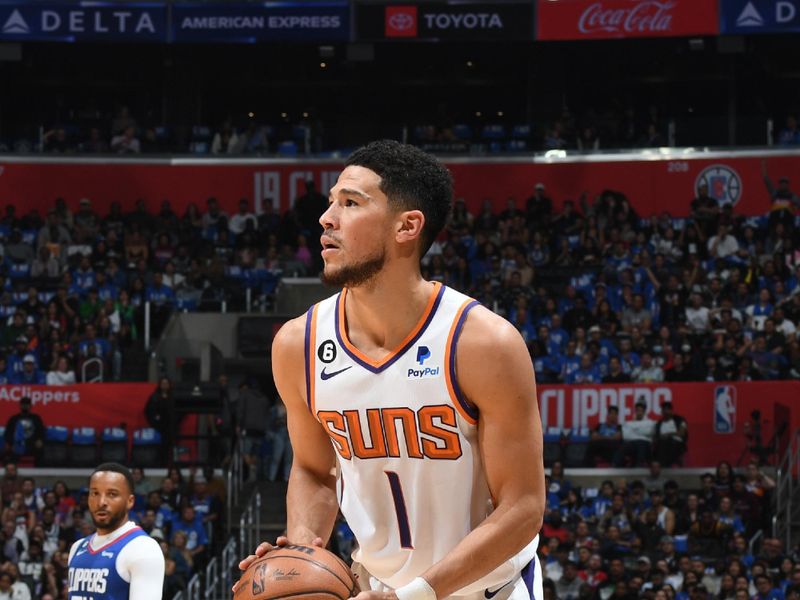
(329, 245)
(101, 514)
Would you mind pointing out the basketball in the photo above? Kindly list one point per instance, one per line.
(297, 571)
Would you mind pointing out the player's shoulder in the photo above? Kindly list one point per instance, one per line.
(485, 330)
(290, 337)
(142, 545)
(76, 545)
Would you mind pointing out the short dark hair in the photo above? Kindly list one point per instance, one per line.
(112, 467)
(412, 180)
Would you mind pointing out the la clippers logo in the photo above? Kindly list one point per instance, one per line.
(724, 183)
(724, 409)
(401, 21)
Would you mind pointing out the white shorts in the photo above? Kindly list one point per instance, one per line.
(526, 586)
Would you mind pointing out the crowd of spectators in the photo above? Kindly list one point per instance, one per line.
(125, 135)
(600, 293)
(657, 540)
(40, 524)
(603, 294)
(73, 285)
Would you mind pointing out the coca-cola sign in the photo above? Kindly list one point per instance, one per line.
(599, 19)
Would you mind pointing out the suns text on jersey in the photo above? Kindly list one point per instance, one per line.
(87, 580)
(430, 432)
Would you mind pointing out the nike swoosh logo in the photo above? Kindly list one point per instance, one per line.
(488, 594)
(79, 552)
(325, 376)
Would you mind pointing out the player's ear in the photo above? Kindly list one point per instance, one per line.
(410, 225)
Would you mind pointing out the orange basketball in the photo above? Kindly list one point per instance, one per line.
(305, 572)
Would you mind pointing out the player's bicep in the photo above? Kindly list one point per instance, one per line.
(503, 389)
(310, 444)
(144, 562)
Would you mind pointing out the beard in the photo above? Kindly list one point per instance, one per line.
(354, 275)
(113, 521)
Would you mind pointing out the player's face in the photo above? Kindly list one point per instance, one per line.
(355, 228)
(110, 499)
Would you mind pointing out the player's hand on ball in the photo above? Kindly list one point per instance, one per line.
(265, 547)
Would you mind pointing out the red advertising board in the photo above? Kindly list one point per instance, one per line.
(95, 405)
(605, 19)
(653, 183)
(719, 415)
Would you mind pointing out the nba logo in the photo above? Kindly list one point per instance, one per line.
(724, 409)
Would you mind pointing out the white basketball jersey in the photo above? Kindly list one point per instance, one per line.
(411, 482)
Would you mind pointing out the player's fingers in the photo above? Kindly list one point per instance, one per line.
(245, 563)
(263, 548)
(318, 542)
(282, 541)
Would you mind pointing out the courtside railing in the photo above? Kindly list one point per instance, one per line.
(786, 521)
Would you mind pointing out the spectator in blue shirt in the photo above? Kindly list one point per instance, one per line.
(84, 276)
(558, 334)
(587, 373)
(158, 293)
(571, 360)
(192, 525)
(30, 374)
(728, 517)
(101, 346)
(163, 513)
(629, 359)
(4, 378)
(789, 135)
(606, 438)
(765, 590)
(15, 359)
(106, 289)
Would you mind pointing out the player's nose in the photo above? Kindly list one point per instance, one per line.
(328, 218)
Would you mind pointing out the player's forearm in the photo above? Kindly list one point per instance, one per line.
(503, 534)
(311, 506)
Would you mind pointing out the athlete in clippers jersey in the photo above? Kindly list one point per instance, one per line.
(119, 561)
(423, 400)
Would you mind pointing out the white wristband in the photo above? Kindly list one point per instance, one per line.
(418, 589)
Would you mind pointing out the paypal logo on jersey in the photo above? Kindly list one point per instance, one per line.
(423, 354)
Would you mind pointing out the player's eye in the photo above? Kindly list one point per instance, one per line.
(350, 202)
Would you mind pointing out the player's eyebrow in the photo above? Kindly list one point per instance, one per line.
(352, 192)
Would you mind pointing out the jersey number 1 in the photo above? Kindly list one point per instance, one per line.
(400, 509)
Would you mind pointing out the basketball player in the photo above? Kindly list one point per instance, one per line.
(422, 400)
(119, 561)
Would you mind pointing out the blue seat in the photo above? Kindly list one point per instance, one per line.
(83, 450)
(115, 445)
(288, 148)
(552, 445)
(521, 132)
(576, 448)
(19, 271)
(146, 449)
(493, 132)
(54, 452)
(462, 132)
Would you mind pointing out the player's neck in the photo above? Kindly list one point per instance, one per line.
(382, 313)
